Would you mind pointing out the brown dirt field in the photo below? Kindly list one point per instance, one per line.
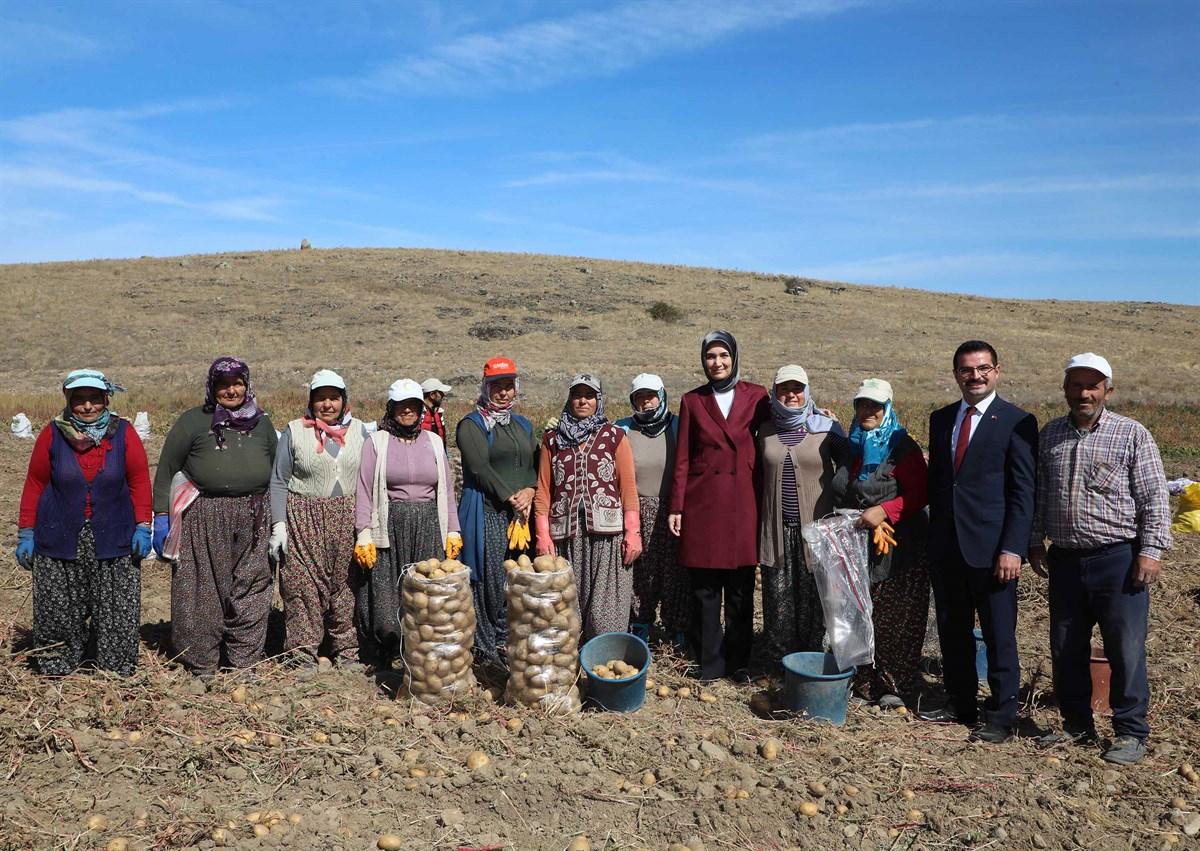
(392, 766)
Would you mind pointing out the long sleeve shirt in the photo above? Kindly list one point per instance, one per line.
(137, 475)
(243, 467)
(503, 468)
(411, 476)
(1101, 485)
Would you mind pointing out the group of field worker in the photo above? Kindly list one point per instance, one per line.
(664, 516)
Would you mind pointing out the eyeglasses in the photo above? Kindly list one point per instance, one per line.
(968, 371)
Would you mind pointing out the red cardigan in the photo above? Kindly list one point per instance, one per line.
(715, 484)
(137, 474)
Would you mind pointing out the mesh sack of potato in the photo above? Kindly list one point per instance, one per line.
(543, 633)
(439, 629)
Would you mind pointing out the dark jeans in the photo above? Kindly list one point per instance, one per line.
(1096, 586)
(721, 650)
(959, 591)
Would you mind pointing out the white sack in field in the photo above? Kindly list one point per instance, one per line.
(141, 424)
(21, 426)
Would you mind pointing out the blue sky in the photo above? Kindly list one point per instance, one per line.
(1000, 147)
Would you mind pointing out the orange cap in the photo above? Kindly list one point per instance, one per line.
(501, 367)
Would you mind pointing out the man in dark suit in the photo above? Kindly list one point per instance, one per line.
(982, 457)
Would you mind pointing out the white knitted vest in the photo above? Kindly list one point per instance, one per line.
(313, 473)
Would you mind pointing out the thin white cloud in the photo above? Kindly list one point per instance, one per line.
(114, 137)
(1056, 185)
(110, 151)
(926, 130)
(26, 43)
(586, 44)
(604, 167)
(248, 208)
(922, 268)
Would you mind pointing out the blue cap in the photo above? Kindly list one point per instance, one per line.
(87, 378)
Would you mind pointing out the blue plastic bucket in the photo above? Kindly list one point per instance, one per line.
(626, 694)
(980, 656)
(814, 686)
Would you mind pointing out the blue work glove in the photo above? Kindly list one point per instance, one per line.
(141, 542)
(162, 525)
(25, 548)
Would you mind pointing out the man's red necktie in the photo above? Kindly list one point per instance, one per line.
(964, 437)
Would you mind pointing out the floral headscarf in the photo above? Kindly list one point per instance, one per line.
(245, 416)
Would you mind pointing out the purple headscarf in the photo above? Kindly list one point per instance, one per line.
(245, 416)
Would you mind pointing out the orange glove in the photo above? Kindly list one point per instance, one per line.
(884, 537)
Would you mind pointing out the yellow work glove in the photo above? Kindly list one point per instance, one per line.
(364, 550)
(454, 545)
(884, 537)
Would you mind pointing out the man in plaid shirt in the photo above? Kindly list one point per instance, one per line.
(1102, 502)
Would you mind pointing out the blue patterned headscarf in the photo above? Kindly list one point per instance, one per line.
(80, 434)
(875, 445)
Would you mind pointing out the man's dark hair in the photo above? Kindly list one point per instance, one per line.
(975, 346)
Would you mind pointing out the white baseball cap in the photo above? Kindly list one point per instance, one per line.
(1089, 360)
(791, 372)
(875, 389)
(431, 384)
(646, 381)
(326, 378)
(403, 389)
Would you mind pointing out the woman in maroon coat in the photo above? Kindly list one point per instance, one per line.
(714, 506)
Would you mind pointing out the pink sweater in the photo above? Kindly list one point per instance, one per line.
(411, 476)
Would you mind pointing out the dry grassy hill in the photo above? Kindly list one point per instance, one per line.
(377, 314)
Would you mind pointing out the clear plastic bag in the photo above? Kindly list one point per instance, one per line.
(543, 638)
(438, 625)
(841, 564)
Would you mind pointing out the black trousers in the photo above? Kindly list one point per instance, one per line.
(959, 591)
(721, 649)
(1089, 587)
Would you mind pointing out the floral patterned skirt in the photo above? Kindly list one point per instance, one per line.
(76, 599)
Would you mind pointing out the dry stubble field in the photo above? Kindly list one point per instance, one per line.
(165, 764)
